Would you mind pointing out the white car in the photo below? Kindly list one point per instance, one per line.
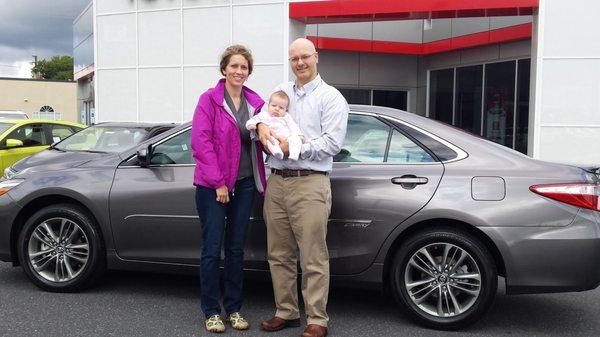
(12, 115)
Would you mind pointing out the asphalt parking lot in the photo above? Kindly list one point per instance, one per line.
(140, 304)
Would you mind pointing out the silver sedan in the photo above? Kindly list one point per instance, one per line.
(429, 212)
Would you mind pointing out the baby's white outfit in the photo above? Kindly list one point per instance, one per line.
(282, 126)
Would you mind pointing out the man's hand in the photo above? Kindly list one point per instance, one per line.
(265, 135)
(285, 146)
(222, 194)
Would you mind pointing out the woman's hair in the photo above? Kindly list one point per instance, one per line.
(236, 49)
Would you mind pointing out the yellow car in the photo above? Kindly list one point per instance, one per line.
(20, 138)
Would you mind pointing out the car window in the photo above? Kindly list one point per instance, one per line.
(441, 151)
(60, 132)
(366, 140)
(30, 135)
(103, 138)
(176, 150)
(404, 150)
(5, 126)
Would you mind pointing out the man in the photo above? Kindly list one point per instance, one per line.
(298, 196)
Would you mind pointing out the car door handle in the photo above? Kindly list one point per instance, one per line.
(409, 181)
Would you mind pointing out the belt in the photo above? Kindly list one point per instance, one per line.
(295, 173)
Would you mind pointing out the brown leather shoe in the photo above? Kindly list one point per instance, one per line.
(315, 330)
(278, 323)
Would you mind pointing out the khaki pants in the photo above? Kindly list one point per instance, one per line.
(296, 211)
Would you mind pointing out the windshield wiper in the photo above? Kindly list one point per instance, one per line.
(93, 151)
(53, 147)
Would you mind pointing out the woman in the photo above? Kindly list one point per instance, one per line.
(229, 170)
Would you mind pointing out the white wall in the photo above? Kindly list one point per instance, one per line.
(83, 40)
(154, 58)
(566, 82)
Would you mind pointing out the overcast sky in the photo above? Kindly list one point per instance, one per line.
(35, 27)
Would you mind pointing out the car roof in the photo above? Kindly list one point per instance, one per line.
(35, 121)
(137, 124)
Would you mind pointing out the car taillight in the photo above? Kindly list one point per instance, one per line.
(583, 195)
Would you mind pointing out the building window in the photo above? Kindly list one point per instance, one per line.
(522, 119)
(397, 99)
(356, 96)
(441, 84)
(468, 98)
(491, 100)
(391, 99)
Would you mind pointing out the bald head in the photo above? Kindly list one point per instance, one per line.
(303, 60)
(303, 43)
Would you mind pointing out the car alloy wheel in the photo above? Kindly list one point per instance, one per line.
(61, 249)
(442, 279)
(58, 250)
(445, 278)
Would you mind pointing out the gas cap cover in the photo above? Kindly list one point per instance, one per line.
(488, 188)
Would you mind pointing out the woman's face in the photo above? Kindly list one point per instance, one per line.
(236, 71)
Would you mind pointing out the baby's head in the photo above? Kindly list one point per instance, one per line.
(278, 104)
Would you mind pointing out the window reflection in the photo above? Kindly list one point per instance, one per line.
(499, 102)
(505, 113)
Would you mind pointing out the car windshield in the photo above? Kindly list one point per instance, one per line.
(5, 126)
(102, 138)
(12, 116)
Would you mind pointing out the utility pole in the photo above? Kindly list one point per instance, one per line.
(35, 75)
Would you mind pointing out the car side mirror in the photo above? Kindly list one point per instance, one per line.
(143, 155)
(13, 143)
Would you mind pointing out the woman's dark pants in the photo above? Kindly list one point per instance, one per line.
(212, 215)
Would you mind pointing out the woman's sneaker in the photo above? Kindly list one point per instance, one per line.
(214, 324)
(237, 321)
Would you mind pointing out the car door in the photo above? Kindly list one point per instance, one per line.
(34, 140)
(153, 210)
(380, 178)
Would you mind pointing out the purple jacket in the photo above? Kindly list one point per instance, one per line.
(216, 143)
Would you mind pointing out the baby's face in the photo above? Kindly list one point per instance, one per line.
(277, 106)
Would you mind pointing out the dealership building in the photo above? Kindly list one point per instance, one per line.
(523, 73)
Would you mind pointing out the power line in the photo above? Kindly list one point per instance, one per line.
(6, 65)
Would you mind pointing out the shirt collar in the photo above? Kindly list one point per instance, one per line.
(308, 87)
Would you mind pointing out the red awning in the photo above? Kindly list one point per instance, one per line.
(378, 10)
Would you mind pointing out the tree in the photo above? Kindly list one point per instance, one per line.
(57, 68)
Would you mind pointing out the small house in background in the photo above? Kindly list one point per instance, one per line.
(39, 99)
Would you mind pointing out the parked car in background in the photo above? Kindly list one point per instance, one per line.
(24, 137)
(431, 212)
(107, 137)
(13, 115)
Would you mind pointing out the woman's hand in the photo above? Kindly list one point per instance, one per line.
(222, 194)
(265, 135)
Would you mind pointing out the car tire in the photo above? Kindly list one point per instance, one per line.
(61, 249)
(457, 293)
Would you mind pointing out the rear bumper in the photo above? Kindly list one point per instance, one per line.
(8, 212)
(551, 259)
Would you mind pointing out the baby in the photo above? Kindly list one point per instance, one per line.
(281, 123)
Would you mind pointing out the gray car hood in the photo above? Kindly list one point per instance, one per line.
(52, 160)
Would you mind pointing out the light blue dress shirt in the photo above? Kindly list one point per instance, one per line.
(321, 112)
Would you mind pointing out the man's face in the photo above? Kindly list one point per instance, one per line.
(304, 61)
